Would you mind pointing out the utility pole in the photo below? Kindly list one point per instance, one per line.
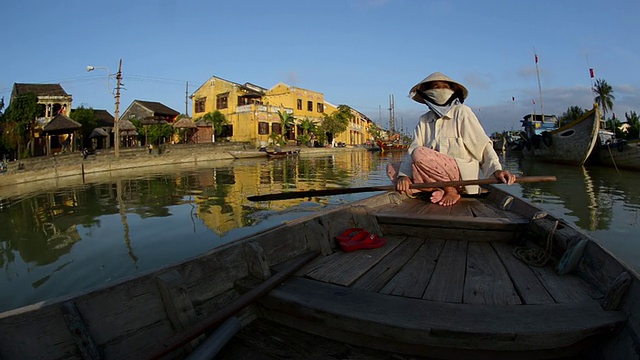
(186, 100)
(116, 128)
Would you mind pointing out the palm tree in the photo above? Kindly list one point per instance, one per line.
(605, 95)
(572, 113)
(308, 127)
(217, 120)
(286, 122)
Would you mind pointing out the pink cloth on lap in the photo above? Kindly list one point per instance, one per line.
(428, 166)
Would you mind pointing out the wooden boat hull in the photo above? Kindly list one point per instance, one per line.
(277, 154)
(445, 285)
(622, 155)
(384, 146)
(569, 144)
(245, 154)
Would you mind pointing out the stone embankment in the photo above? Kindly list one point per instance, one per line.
(73, 166)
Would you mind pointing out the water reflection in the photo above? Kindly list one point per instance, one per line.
(74, 238)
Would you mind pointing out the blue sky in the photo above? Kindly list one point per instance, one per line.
(356, 52)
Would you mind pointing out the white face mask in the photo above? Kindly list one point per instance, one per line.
(439, 96)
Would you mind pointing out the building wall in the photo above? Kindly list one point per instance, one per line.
(246, 118)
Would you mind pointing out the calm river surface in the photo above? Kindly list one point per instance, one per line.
(69, 237)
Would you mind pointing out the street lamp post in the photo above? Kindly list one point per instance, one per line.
(116, 129)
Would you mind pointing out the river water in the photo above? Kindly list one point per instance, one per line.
(72, 237)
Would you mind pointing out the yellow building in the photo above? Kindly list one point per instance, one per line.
(252, 111)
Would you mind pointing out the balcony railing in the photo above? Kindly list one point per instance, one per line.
(261, 108)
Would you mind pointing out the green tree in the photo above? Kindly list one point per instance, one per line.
(605, 95)
(217, 120)
(375, 131)
(19, 122)
(572, 113)
(308, 127)
(337, 122)
(634, 121)
(287, 123)
(87, 118)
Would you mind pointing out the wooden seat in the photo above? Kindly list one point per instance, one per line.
(355, 316)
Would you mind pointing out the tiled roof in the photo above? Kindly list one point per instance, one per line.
(61, 123)
(39, 89)
(158, 109)
(104, 118)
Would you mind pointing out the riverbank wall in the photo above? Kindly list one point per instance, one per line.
(74, 165)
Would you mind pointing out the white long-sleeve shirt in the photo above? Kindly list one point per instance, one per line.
(460, 135)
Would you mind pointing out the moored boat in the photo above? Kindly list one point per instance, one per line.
(571, 143)
(617, 153)
(449, 282)
(392, 146)
(272, 154)
(244, 154)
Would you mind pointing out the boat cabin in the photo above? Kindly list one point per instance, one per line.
(536, 124)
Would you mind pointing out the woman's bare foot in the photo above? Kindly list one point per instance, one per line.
(450, 196)
(437, 195)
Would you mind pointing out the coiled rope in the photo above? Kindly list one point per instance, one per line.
(537, 256)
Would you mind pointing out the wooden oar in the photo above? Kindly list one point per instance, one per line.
(157, 351)
(437, 184)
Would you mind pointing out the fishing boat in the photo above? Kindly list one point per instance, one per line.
(613, 152)
(571, 143)
(491, 277)
(244, 154)
(391, 146)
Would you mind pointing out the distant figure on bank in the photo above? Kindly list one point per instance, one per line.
(449, 144)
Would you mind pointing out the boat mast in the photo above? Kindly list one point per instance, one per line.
(539, 86)
(392, 120)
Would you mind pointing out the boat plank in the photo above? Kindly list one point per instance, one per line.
(376, 278)
(38, 331)
(345, 268)
(331, 311)
(564, 288)
(435, 209)
(408, 206)
(454, 222)
(448, 277)
(462, 208)
(413, 279)
(481, 209)
(525, 281)
(487, 280)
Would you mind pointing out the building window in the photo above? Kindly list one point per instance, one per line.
(200, 103)
(320, 107)
(263, 128)
(227, 131)
(299, 104)
(309, 105)
(276, 128)
(222, 102)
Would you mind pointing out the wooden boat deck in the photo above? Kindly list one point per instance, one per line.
(446, 279)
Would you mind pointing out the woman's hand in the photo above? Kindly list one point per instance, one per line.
(505, 176)
(403, 185)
